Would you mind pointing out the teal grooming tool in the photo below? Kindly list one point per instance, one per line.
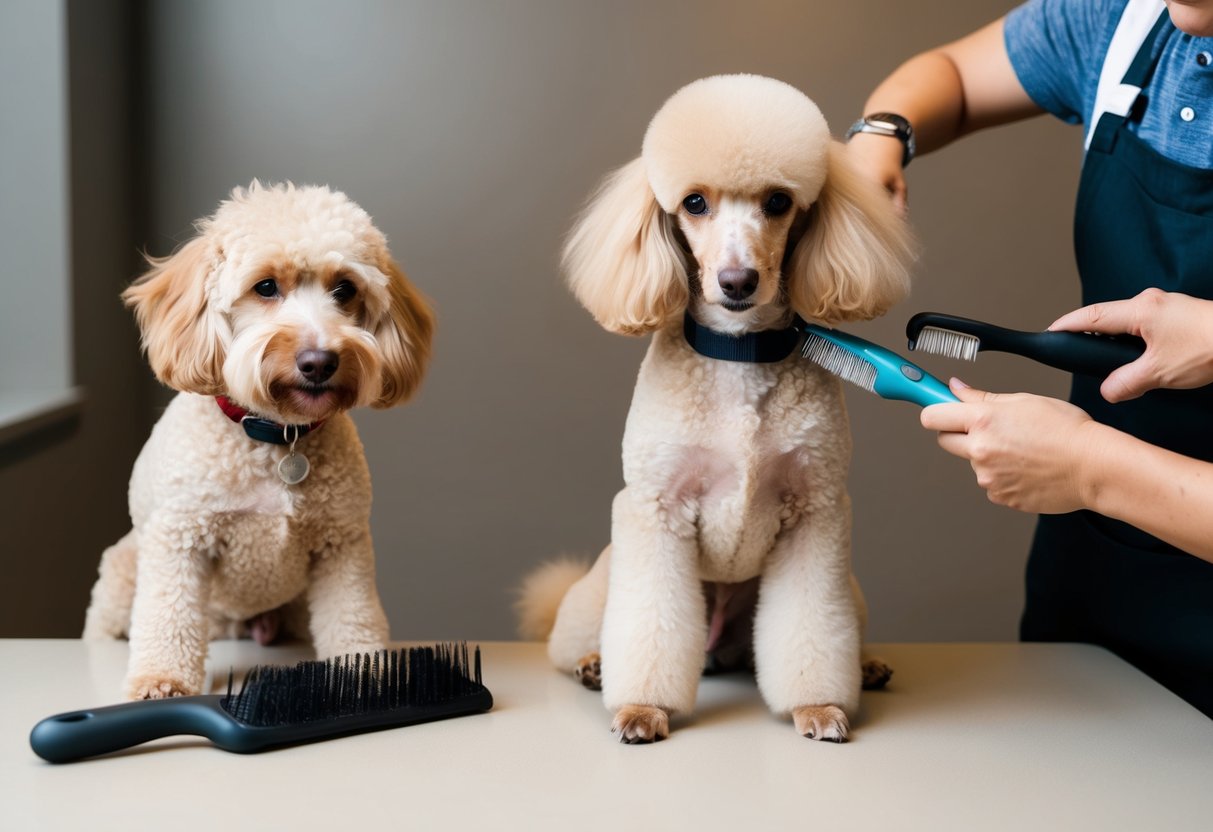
(872, 367)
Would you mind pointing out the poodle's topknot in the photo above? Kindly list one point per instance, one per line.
(736, 133)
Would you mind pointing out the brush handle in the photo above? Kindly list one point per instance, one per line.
(922, 390)
(78, 734)
(1084, 353)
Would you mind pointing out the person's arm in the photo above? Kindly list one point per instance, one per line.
(1158, 491)
(1177, 329)
(1041, 455)
(945, 93)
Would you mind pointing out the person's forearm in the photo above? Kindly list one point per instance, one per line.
(955, 89)
(927, 91)
(1163, 493)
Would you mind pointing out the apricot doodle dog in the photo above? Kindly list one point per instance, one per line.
(251, 500)
(732, 532)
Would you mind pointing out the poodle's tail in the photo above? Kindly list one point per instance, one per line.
(540, 595)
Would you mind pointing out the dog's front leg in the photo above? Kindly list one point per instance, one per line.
(655, 624)
(807, 627)
(346, 615)
(169, 622)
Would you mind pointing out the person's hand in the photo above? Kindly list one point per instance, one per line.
(1178, 331)
(879, 159)
(1028, 451)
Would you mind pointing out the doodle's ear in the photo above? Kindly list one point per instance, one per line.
(853, 262)
(622, 259)
(404, 335)
(185, 338)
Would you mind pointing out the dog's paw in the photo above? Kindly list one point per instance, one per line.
(876, 674)
(641, 724)
(589, 671)
(156, 687)
(821, 722)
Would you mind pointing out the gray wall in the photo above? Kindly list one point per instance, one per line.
(472, 131)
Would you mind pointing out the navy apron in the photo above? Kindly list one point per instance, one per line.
(1141, 220)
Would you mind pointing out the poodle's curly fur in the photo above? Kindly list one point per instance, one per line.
(735, 473)
(219, 540)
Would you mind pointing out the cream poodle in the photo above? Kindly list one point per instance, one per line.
(733, 528)
(253, 494)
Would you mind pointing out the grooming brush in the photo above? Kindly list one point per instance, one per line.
(279, 706)
(1074, 352)
(872, 367)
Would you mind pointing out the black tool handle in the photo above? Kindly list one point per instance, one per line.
(78, 734)
(1084, 353)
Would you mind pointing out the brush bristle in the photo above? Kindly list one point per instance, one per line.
(840, 362)
(947, 343)
(363, 683)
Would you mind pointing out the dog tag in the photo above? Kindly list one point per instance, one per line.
(294, 468)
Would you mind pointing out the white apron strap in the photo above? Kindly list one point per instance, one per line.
(1113, 96)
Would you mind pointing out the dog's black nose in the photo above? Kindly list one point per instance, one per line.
(317, 366)
(738, 284)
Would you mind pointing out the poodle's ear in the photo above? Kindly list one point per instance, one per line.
(853, 262)
(622, 260)
(185, 339)
(404, 335)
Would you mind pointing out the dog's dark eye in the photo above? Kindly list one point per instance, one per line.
(777, 204)
(695, 204)
(267, 288)
(344, 292)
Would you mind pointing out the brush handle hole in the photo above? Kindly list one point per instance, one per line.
(78, 717)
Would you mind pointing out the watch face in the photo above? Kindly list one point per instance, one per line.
(890, 121)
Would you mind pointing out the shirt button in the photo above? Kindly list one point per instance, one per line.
(1187, 114)
(1204, 58)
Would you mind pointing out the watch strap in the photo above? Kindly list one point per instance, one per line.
(888, 124)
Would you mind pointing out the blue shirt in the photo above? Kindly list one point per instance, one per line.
(1057, 49)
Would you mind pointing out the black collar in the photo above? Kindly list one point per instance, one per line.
(263, 430)
(765, 347)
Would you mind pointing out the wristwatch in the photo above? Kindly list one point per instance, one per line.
(888, 124)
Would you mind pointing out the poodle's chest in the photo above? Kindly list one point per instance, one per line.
(734, 454)
(744, 447)
(740, 506)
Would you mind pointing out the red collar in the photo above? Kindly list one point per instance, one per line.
(264, 430)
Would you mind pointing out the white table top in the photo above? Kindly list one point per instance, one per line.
(968, 736)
